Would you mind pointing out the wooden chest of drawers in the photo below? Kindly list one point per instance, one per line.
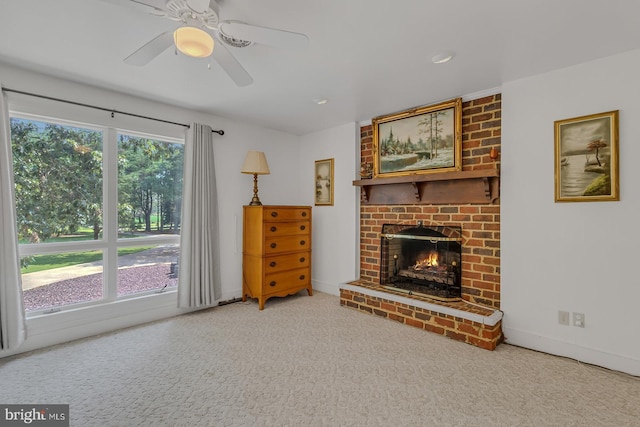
(276, 251)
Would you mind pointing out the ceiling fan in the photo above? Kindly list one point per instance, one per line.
(199, 26)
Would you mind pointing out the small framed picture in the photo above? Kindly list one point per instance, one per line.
(324, 182)
(586, 158)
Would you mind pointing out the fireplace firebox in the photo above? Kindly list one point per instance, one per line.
(422, 260)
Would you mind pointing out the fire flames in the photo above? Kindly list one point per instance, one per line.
(429, 261)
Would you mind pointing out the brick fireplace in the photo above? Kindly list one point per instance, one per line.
(476, 318)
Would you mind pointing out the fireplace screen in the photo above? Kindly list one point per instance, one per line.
(422, 260)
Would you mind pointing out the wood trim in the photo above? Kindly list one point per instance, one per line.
(456, 187)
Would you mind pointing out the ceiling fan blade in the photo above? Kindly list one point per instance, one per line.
(231, 65)
(198, 6)
(148, 6)
(150, 50)
(264, 35)
(155, 4)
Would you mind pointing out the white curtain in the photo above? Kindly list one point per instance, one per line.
(13, 326)
(199, 271)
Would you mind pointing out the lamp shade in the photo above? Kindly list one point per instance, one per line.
(193, 41)
(255, 163)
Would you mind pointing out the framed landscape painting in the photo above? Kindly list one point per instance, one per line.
(586, 158)
(324, 182)
(420, 140)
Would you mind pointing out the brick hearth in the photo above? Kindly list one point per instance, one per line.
(460, 320)
(475, 320)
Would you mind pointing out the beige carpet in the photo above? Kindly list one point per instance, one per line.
(306, 361)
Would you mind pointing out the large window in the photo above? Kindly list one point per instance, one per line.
(98, 212)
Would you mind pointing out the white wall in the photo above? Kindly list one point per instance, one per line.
(335, 228)
(577, 257)
(234, 190)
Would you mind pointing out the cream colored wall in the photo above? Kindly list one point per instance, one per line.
(335, 228)
(576, 257)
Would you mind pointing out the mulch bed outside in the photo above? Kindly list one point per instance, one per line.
(89, 288)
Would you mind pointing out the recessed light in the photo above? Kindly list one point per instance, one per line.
(321, 101)
(441, 58)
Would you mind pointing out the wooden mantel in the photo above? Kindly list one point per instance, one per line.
(457, 187)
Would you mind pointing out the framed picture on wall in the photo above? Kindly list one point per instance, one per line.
(586, 158)
(420, 140)
(324, 182)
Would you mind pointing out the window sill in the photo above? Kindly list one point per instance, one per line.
(44, 330)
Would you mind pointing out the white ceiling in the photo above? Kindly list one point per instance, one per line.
(367, 57)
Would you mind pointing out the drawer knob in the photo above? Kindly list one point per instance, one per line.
(302, 227)
(302, 242)
(301, 259)
(304, 214)
(273, 283)
(272, 264)
(274, 214)
(273, 245)
(273, 229)
(302, 277)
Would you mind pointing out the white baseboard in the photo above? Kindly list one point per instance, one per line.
(573, 351)
(326, 287)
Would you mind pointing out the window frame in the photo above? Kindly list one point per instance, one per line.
(109, 243)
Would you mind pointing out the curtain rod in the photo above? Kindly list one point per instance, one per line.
(109, 110)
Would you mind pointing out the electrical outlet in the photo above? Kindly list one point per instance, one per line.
(578, 320)
(563, 317)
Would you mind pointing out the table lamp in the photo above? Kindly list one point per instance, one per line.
(255, 163)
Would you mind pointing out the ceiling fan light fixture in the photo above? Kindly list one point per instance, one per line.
(193, 42)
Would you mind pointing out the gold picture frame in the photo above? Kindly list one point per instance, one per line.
(417, 141)
(586, 158)
(324, 182)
